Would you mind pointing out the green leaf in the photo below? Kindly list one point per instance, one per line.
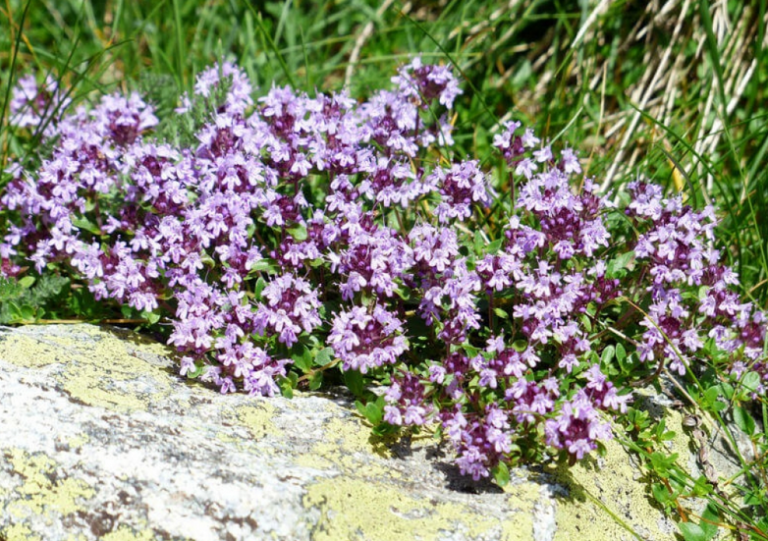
(751, 382)
(705, 530)
(744, 420)
(662, 463)
(621, 353)
(523, 74)
(372, 411)
(619, 263)
(501, 474)
(403, 292)
(9, 289)
(667, 436)
(662, 434)
(361, 408)
(480, 242)
(27, 312)
(197, 372)
(727, 389)
(710, 515)
(323, 357)
(302, 357)
(607, 355)
(316, 381)
(151, 317)
(262, 265)
(692, 532)
(586, 322)
(501, 313)
(385, 429)
(27, 282)
(602, 450)
(701, 487)
(83, 223)
(299, 232)
(752, 497)
(520, 345)
(661, 493)
(353, 379)
(261, 283)
(711, 394)
(288, 384)
(494, 247)
(639, 418)
(470, 350)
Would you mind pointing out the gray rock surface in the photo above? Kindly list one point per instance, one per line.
(101, 439)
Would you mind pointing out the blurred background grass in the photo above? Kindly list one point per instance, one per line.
(669, 89)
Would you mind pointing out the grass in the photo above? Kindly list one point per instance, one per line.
(670, 89)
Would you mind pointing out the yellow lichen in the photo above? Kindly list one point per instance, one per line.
(78, 441)
(104, 371)
(356, 509)
(41, 491)
(18, 532)
(365, 501)
(522, 497)
(257, 418)
(615, 487)
(345, 444)
(26, 352)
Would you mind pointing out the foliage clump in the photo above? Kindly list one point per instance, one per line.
(515, 309)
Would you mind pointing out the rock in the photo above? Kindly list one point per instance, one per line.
(101, 439)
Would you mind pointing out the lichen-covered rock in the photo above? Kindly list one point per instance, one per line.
(101, 439)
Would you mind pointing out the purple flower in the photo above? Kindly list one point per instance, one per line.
(364, 339)
(31, 104)
(292, 307)
(461, 186)
(406, 402)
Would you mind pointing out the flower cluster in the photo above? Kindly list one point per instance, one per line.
(290, 223)
(678, 247)
(364, 340)
(31, 104)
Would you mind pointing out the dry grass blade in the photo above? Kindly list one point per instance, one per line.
(366, 33)
(659, 74)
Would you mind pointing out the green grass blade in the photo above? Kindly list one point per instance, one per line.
(7, 97)
(180, 47)
(273, 47)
